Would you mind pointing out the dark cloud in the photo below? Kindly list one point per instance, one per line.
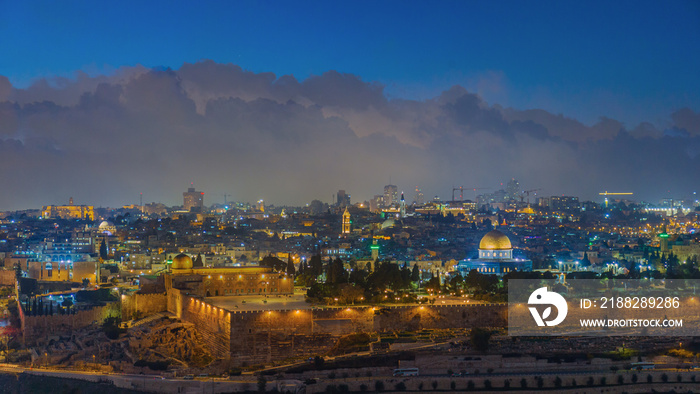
(688, 120)
(67, 91)
(105, 139)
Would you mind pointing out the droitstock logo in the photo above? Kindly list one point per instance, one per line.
(543, 297)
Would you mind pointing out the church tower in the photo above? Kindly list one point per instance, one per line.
(402, 206)
(346, 222)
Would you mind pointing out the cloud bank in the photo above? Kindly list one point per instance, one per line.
(105, 139)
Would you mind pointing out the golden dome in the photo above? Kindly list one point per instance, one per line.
(527, 210)
(495, 240)
(181, 262)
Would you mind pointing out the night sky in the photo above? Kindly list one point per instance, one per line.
(291, 101)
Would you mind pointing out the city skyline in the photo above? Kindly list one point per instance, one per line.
(227, 196)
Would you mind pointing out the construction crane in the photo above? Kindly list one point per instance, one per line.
(606, 194)
(615, 194)
(528, 194)
(461, 191)
(226, 195)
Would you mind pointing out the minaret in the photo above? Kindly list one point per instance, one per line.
(402, 206)
(375, 251)
(663, 240)
(346, 222)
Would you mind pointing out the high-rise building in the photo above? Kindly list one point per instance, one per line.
(376, 202)
(391, 195)
(513, 189)
(564, 203)
(193, 200)
(418, 198)
(343, 199)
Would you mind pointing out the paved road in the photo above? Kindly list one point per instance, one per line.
(149, 383)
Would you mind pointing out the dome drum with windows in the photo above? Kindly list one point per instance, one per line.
(495, 245)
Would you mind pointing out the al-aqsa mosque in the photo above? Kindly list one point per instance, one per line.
(495, 257)
(225, 281)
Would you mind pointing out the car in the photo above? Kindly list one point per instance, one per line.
(188, 377)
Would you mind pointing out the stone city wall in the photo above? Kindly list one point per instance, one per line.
(412, 318)
(7, 277)
(261, 336)
(137, 305)
(249, 337)
(37, 329)
(214, 324)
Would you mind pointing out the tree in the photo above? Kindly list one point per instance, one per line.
(18, 272)
(316, 265)
(290, 266)
(262, 382)
(103, 250)
(480, 339)
(336, 272)
(198, 261)
(349, 293)
(415, 273)
(379, 386)
(273, 262)
(433, 284)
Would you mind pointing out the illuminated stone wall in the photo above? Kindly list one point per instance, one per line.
(7, 277)
(140, 305)
(214, 324)
(251, 337)
(37, 329)
(262, 336)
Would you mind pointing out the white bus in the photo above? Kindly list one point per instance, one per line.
(406, 372)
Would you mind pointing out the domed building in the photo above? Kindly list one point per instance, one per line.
(225, 281)
(107, 227)
(181, 262)
(495, 257)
